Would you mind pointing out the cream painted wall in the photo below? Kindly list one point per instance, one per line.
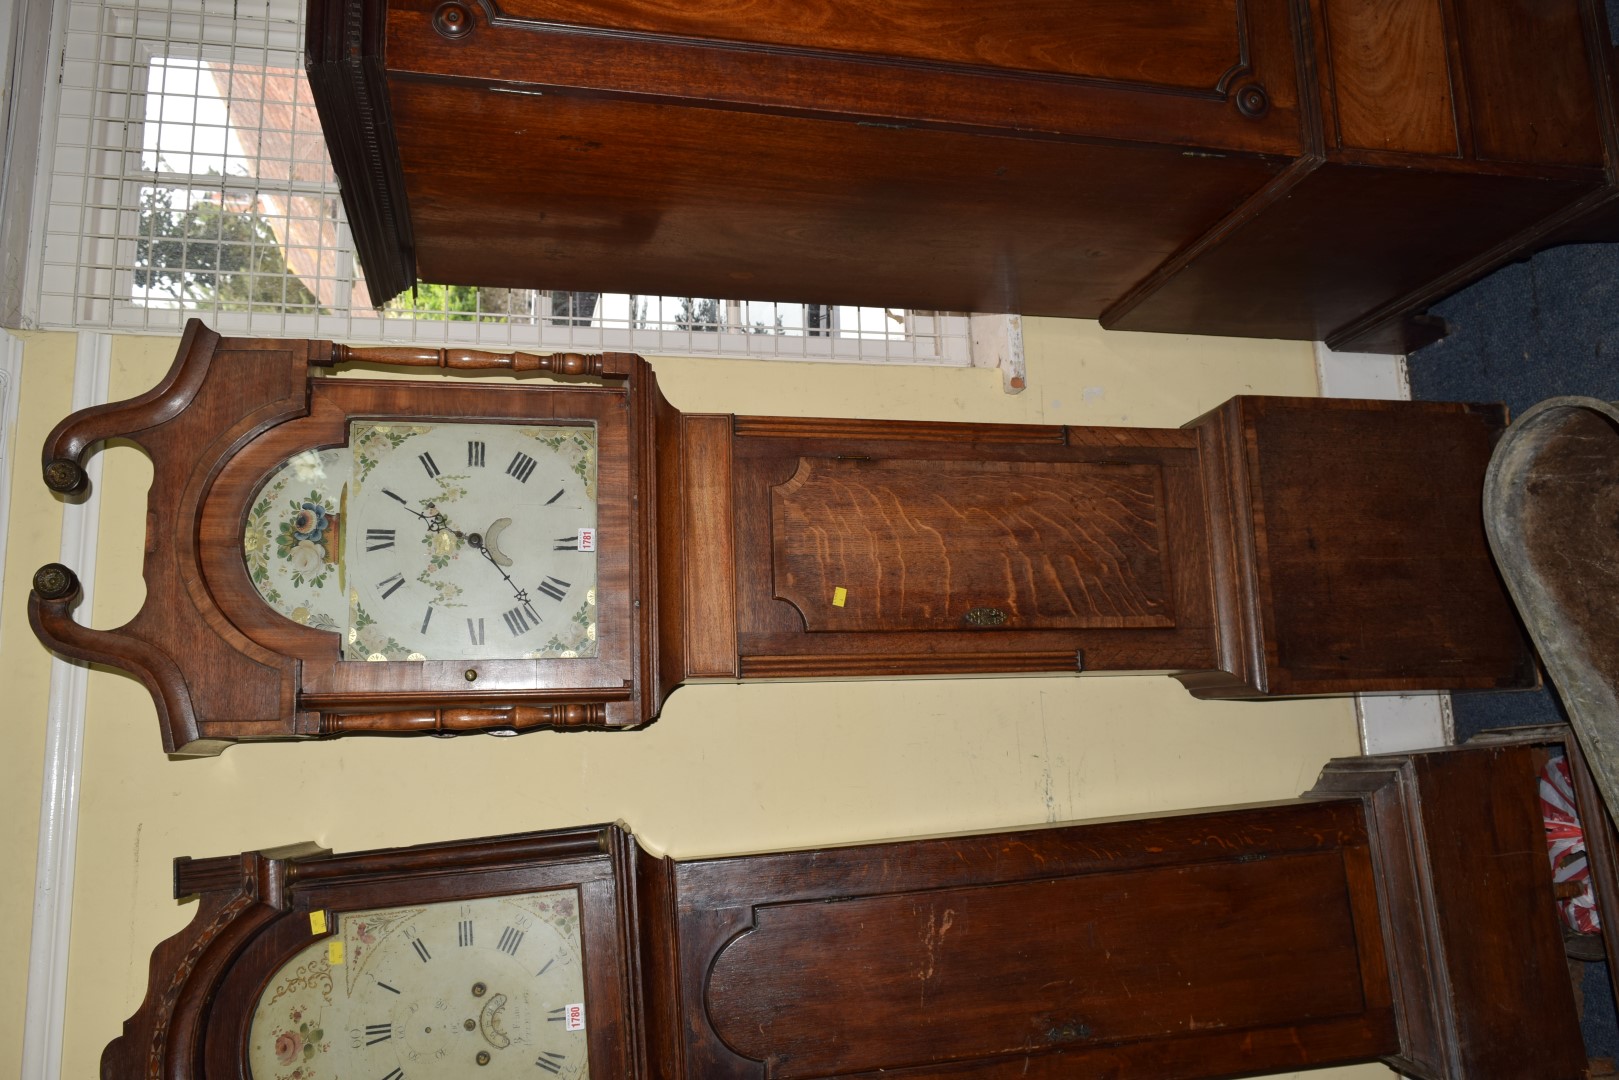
(726, 769)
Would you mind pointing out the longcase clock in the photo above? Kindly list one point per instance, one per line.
(334, 555)
(1365, 921)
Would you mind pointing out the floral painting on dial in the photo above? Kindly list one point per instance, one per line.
(293, 540)
(289, 1016)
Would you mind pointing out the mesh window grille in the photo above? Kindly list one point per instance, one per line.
(190, 178)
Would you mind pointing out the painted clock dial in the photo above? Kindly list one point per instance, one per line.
(470, 541)
(491, 987)
(445, 541)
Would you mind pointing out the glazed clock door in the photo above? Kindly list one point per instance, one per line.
(493, 958)
(471, 541)
(448, 541)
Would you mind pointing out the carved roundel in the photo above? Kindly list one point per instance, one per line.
(1252, 101)
(453, 20)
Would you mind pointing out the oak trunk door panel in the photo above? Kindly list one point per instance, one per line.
(874, 548)
(1035, 966)
(1121, 948)
(940, 545)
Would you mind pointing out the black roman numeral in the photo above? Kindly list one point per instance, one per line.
(376, 1033)
(546, 968)
(510, 939)
(397, 1074)
(391, 585)
(566, 543)
(421, 949)
(520, 620)
(475, 453)
(386, 987)
(554, 587)
(464, 937)
(558, 1015)
(428, 464)
(377, 539)
(550, 1061)
(427, 618)
(475, 631)
(395, 497)
(522, 467)
(555, 497)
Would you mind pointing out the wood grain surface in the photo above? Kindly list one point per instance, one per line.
(923, 545)
(1089, 541)
(1389, 66)
(1099, 39)
(1027, 967)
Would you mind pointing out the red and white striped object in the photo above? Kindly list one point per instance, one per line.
(1565, 841)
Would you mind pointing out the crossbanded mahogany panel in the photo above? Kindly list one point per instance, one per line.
(1122, 40)
(1530, 84)
(1391, 74)
(920, 544)
(961, 974)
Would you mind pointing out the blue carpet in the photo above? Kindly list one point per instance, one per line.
(1533, 330)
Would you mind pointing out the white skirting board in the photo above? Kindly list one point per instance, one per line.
(64, 744)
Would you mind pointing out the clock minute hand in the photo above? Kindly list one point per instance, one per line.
(482, 548)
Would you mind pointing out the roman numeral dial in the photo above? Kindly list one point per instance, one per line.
(468, 541)
(488, 988)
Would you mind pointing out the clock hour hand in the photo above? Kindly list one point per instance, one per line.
(435, 522)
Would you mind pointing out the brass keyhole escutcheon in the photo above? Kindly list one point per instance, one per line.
(985, 616)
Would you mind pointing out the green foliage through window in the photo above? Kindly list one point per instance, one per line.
(205, 254)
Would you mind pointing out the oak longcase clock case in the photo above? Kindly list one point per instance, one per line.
(1365, 921)
(328, 555)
